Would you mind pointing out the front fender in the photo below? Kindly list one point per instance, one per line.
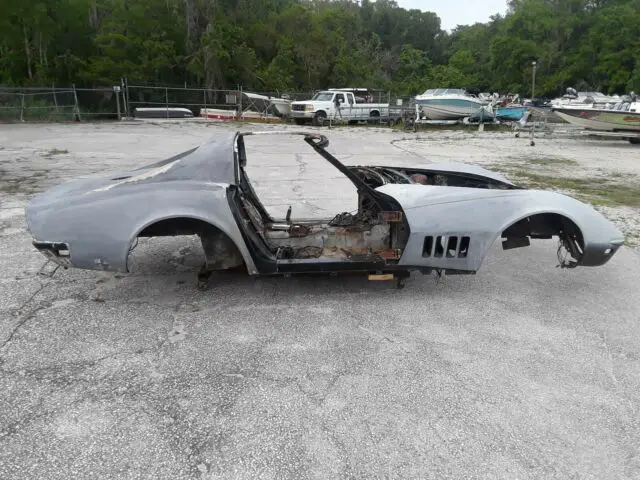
(482, 215)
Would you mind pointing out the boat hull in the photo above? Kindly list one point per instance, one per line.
(510, 113)
(443, 109)
(218, 114)
(282, 106)
(162, 112)
(604, 120)
(483, 114)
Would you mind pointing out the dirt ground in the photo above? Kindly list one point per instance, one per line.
(523, 371)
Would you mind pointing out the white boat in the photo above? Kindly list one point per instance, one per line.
(623, 117)
(596, 99)
(448, 104)
(282, 105)
(162, 112)
(262, 103)
(226, 114)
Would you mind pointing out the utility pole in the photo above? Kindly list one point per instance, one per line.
(533, 80)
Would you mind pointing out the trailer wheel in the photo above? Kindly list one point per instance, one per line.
(299, 121)
(634, 141)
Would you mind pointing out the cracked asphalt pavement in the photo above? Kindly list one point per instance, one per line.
(524, 371)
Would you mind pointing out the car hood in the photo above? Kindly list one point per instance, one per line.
(416, 195)
(463, 168)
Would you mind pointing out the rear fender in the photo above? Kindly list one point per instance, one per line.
(214, 246)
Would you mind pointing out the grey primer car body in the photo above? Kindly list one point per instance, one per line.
(445, 224)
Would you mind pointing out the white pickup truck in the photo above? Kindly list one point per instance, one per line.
(336, 105)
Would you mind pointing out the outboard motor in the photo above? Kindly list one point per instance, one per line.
(572, 92)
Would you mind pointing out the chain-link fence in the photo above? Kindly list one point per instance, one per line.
(37, 104)
(58, 103)
(153, 101)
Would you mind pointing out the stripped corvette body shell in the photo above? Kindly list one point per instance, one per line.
(446, 225)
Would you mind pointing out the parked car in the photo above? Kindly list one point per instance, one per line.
(432, 218)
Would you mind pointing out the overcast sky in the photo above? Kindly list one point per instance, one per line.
(458, 12)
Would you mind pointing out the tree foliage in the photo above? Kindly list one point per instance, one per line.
(271, 45)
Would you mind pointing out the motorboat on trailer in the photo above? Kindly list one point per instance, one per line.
(623, 117)
(509, 108)
(575, 98)
(450, 104)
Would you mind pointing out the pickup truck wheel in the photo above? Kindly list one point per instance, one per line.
(374, 116)
(319, 118)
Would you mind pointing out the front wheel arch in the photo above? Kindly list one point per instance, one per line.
(221, 252)
(547, 225)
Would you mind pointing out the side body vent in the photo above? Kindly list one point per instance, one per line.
(442, 246)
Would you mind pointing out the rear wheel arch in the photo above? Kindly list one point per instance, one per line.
(221, 251)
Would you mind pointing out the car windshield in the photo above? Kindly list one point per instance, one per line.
(323, 96)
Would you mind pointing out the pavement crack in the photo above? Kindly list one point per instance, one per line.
(14, 427)
(302, 165)
(339, 445)
(381, 336)
(330, 386)
(394, 143)
(606, 347)
(24, 316)
(297, 189)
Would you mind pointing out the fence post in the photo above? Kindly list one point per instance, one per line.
(117, 91)
(22, 107)
(55, 100)
(127, 98)
(124, 97)
(240, 103)
(77, 107)
(204, 93)
(166, 99)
